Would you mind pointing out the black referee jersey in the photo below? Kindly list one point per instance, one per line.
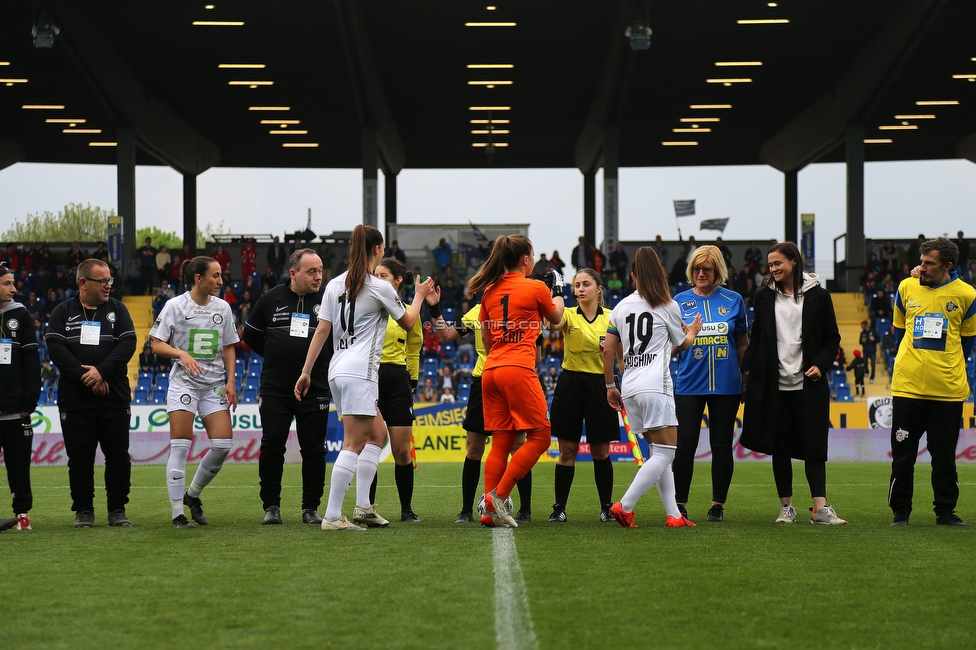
(268, 332)
(116, 345)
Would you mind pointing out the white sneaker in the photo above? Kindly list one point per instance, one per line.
(826, 516)
(787, 515)
(339, 524)
(369, 517)
(23, 522)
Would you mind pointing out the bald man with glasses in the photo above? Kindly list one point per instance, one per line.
(91, 339)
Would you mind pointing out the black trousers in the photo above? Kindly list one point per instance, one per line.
(940, 421)
(311, 421)
(16, 441)
(84, 431)
(790, 426)
(722, 410)
(870, 358)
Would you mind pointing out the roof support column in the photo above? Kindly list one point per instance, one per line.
(791, 207)
(10, 152)
(611, 199)
(125, 152)
(390, 194)
(854, 241)
(589, 206)
(190, 210)
(370, 174)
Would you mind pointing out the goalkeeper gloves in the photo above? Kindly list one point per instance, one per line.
(554, 280)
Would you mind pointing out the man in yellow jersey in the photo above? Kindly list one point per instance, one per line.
(935, 326)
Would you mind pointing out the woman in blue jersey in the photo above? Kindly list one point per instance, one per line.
(196, 329)
(579, 396)
(708, 375)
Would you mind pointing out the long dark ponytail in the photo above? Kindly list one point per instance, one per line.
(364, 240)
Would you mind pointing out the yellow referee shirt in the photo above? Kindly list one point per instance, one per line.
(582, 350)
(402, 348)
(470, 322)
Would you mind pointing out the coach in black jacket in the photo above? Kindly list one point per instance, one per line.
(91, 339)
(20, 379)
(280, 329)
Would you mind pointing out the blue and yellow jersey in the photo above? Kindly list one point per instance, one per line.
(583, 347)
(711, 365)
(402, 348)
(469, 323)
(930, 363)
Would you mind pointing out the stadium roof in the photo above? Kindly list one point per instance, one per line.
(405, 68)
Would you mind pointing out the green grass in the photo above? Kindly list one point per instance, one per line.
(745, 583)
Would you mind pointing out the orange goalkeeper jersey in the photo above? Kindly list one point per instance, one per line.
(512, 310)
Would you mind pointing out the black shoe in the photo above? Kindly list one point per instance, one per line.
(523, 517)
(311, 516)
(180, 521)
(272, 516)
(605, 515)
(558, 515)
(682, 510)
(84, 519)
(196, 509)
(118, 518)
(950, 520)
(715, 513)
(409, 515)
(901, 519)
(7, 523)
(464, 517)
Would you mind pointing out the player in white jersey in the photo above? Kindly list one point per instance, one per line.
(196, 329)
(355, 309)
(648, 325)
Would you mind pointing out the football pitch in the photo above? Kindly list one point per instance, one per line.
(743, 583)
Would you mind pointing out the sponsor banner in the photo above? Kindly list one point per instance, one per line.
(858, 433)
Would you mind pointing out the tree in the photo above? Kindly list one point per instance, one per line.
(76, 222)
(159, 238)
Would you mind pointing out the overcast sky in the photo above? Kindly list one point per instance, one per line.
(901, 199)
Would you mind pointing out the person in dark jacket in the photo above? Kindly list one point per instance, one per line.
(91, 340)
(20, 376)
(860, 368)
(793, 343)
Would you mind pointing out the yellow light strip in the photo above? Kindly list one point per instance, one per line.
(250, 83)
(680, 143)
(281, 121)
(899, 127)
(103, 144)
(489, 108)
(928, 116)
(269, 108)
(490, 131)
(730, 64)
(938, 102)
(499, 145)
(700, 119)
(242, 66)
(971, 77)
(491, 121)
(490, 66)
(64, 120)
(288, 132)
(13, 81)
(703, 130)
(764, 21)
(730, 81)
(218, 23)
(709, 106)
(299, 145)
(492, 24)
(8, 63)
(489, 83)
(877, 141)
(74, 131)
(43, 107)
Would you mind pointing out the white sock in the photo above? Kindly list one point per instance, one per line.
(343, 470)
(369, 460)
(648, 475)
(210, 465)
(179, 449)
(665, 488)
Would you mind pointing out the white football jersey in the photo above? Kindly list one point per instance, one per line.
(359, 327)
(203, 331)
(646, 334)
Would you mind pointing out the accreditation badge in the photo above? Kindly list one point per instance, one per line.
(299, 325)
(6, 351)
(91, 332)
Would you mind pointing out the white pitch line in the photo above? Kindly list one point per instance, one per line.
(513, 621)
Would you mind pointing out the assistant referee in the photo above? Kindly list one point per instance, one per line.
(280, 329)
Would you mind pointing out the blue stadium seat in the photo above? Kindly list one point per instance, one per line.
(615, 299)
(140, 397)
(162, 381)
(449, 314)
(844, 393)
(430, 367)
(157, 397)
(837, 377)
(882, 325)
(145, 381)
(250, 395)
(256, 358)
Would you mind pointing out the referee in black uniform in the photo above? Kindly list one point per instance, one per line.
(91, 339)
(280, 329)
(20, 377)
